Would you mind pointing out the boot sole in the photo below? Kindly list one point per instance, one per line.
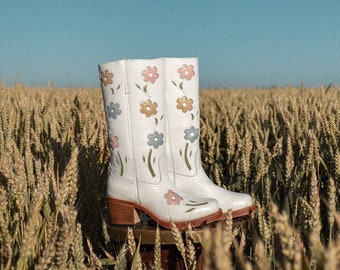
(247, 211)
(129, 213)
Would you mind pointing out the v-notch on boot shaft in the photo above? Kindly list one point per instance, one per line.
(134, 103)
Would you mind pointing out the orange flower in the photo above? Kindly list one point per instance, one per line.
(150, 74)
(148, 107)
(172, 197)
(186, 72)
(184, 104)
(106, 77)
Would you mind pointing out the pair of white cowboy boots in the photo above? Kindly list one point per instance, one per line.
(152, 112)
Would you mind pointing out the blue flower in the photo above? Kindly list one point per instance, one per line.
(191, 134)
(113, 110)
(155, 139)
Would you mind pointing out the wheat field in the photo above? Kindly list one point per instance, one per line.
(281, 145)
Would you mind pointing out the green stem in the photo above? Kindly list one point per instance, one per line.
(196, 204)
(149, 164)
(121, 165)
(186, 156)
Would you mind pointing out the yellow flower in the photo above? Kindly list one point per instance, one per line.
(184, 104)
(106, 77)
(148, 108)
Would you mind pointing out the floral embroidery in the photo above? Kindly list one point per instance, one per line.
(113, 110)
(186, 72)
(184, 104)
(150, 74)
(148, 108)
(172, 198)
(106, 77)
(114, 142)
(155, 139)
(191, 134)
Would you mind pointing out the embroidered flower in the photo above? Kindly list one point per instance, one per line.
(150, 74)
(106, 77)
(114, 141)
(184, 104)
(191, 134)
(155, 139)
(186, 72)
(172, 197)
(148, 107)
(113, 110)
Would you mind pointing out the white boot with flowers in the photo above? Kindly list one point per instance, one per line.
(138, 181)
(184, 159)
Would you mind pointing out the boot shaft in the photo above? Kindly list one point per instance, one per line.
(134, 106)
(182, 98)
(184, 159)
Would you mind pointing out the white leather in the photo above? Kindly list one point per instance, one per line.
(183, 119)
(138, 165)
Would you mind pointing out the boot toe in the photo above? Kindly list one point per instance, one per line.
(242, 201)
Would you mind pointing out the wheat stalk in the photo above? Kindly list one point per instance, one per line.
(179, 242)
(157, 250)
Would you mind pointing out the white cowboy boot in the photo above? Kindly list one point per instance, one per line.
(134, 102)
(184, 160)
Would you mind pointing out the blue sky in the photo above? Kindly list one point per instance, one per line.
(238, 43)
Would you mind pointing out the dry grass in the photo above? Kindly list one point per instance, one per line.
(280, 145)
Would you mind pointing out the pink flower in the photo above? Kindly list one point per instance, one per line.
(186, 72)
(172, 197)
(150, 74)
(114, 141)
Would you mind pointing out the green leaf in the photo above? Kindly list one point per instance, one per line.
(149, 164)
(196, 204)
(174, 83)
(138, 86)
(121, 165)
(145, 88)
(137, 260)
(113, 91)
(121, 262)
(118, 87)
(181, 85)
(186, 156)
